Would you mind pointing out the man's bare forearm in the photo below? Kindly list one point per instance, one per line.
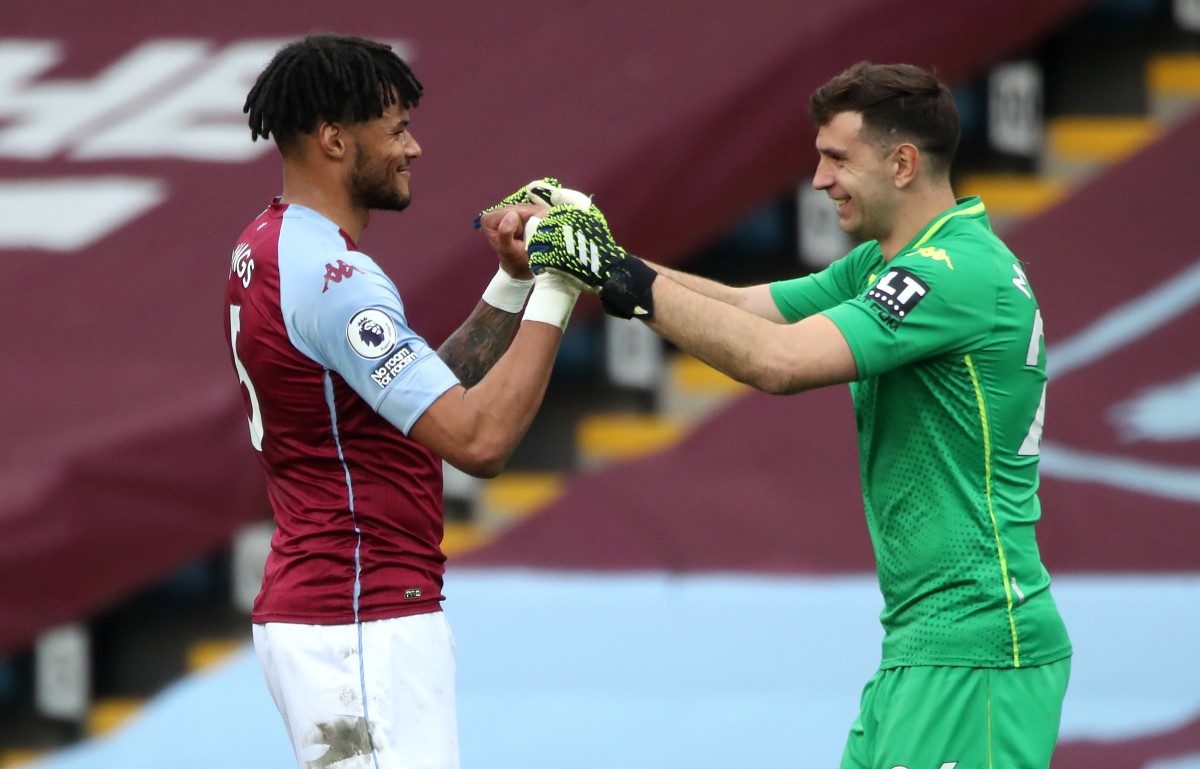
(775, 358)
(705, 286)
(474, 348)
(753, 299)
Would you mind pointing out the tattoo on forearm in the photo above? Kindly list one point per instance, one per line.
(474, 348)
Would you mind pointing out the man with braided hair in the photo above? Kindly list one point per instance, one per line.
(352, 412)
(933, 323)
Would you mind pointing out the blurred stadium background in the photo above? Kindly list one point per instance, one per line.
(674, 573)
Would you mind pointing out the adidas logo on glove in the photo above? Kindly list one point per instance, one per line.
(578, 246)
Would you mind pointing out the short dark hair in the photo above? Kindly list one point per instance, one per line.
(898, 102)
(327, 78)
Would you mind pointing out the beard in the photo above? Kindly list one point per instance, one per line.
(374, 187)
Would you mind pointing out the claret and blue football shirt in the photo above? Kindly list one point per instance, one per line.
(333, 378)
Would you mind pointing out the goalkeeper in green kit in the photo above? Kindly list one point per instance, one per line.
(935, 326)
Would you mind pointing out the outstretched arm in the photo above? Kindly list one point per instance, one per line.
(474, 348)
(753, 299)
(478, 343)
(774, 358)
(476, 427)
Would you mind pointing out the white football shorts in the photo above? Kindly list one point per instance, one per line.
(376, 695)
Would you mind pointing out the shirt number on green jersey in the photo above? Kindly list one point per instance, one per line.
(1032, 445)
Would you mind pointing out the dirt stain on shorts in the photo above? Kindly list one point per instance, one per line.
(345, 737)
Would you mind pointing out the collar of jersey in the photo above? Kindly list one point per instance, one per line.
(971, 206)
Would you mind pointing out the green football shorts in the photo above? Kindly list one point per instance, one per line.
(958, 718)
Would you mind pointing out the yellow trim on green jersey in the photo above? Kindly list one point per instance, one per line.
(932, 478)
(987, 475)
(978, 208)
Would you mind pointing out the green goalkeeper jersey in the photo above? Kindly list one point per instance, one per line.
(949, 400)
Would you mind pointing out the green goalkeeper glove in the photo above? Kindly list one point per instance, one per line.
(546, 191)
(577, 243)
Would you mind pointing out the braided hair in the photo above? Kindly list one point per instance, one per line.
(327, 78)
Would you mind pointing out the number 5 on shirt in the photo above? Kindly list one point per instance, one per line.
(255, 418)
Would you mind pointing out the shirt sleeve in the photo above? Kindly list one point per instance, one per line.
(356, 327)
(799, 298)
(918, 308)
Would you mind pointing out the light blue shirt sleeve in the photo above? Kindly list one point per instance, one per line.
(344, 313)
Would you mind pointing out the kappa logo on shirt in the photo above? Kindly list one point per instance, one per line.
(897, 293)
(936, 254)
(337, 272)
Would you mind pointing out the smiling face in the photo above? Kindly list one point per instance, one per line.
(383, 150)
(858, 174)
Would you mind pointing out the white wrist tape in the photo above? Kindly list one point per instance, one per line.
(552, 300)
(506, 292)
